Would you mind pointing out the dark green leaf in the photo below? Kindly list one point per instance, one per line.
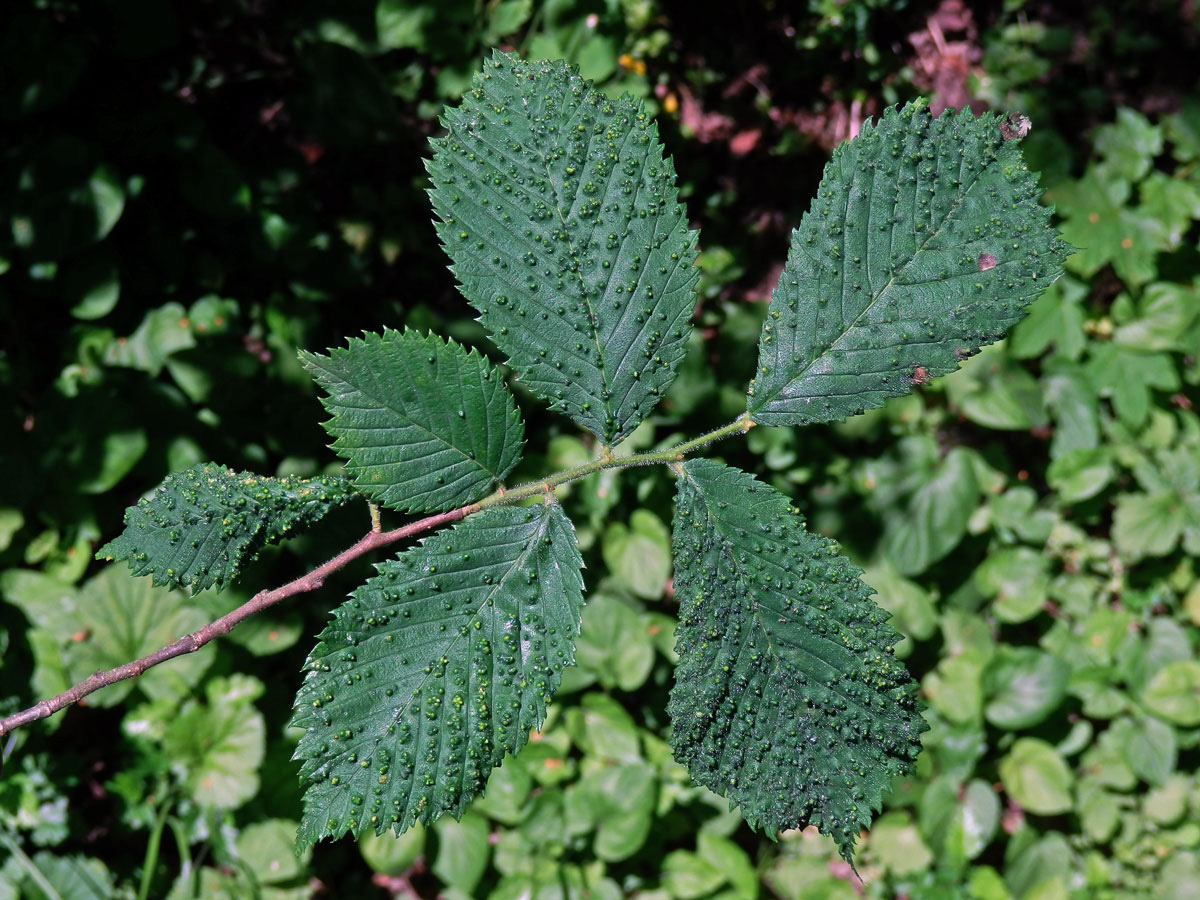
(435, 669)
(423, 424)
(560, 215)
(924, 243)
(198, 526)
(787, 698)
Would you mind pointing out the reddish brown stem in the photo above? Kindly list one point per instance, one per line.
(373, 540)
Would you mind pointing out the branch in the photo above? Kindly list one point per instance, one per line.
(373, 540)
(260, 601)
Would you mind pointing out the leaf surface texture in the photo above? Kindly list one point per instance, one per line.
(423, 424)
(787, 699)
(436, 668)
(925, 242)
(199, 525)
(560, 215)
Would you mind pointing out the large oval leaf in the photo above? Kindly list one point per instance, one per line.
(560, 215)
(788, 699)
(435, 669)
(924, 243)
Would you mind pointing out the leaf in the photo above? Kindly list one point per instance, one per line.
(463, 851)
(392, 854)
(436, 668)
(960, 820)
(220, 744)
(1104, 230)
(924, 243)
(1036, 777)
(1150, 749)
(787, 698)
(1174, 693)
(197, 527)
(936, 517)
(1128, 145)
(68, 878)
(423, 424)
(639, 555)
(1024, 686)
(560, 216)
(615, 644)
(122, 618)
(267, 848)
(897, 844)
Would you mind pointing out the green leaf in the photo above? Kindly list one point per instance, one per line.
(463, 851)
(639, 554)
(688, 876)
(423, 424)
(67, 878)
(1037, 777)
(1024, 686)
(960, 820)
(1174, 693)
(392, 854)
(198, 526)
(1016, 577)
(924, 243)
(1150, 749)
(220, 744)
(1098, 222)
(435, 669)
(1147, 524)
(1081, 474)
(121, 618)
(560, 216)
(268, 849)
(1128, 145)
(936, 517)
(615, 645)
(787, 698)
(897, 845)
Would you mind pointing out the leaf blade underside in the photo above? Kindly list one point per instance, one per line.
(787, 698)
(924, 243)
(560, 216)
(436, 668)
(423, 424)
(198, 526)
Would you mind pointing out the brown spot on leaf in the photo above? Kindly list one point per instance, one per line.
(986, 261)
(1014, 126)
(1094, 217)
(1126, 243)
(920, 376)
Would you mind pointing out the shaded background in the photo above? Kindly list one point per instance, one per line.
(191, 192)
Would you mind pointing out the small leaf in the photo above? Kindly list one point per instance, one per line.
(1024, 686)
(121, 618)
(560, 215)
(925, 242)
(196, 528)
(1037, 777)
(1174, 693)
(423, 424)
(787, 698)
(435, 669)
(220, 744)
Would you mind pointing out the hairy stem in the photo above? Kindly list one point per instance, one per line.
(373, 540)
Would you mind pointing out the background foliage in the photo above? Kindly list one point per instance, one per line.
(193, 192)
